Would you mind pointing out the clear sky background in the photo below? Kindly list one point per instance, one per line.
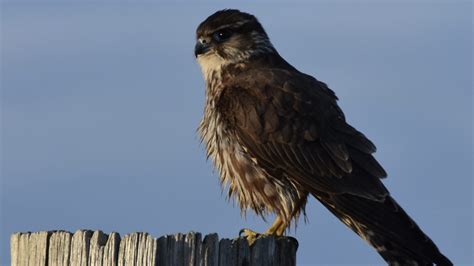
(100, 102)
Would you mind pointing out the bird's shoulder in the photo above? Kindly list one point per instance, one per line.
(283, 103)
(273, 82)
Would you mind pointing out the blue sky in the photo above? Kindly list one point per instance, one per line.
(100, 102)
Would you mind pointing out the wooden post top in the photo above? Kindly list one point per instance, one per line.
(94, 248)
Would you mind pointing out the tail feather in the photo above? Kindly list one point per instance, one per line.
(387, 227)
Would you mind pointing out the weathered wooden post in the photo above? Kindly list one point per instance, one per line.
(89, 248)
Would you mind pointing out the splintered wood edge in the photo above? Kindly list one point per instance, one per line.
(94, 248)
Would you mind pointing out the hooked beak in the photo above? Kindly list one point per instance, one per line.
(200, 48)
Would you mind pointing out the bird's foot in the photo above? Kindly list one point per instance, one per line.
(250, 235)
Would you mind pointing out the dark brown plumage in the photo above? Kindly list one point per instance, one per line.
(277, 135)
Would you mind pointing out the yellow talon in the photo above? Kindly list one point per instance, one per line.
(250, 235)
(277, 229)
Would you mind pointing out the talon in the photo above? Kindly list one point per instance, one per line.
(248, 232)
(250, 235)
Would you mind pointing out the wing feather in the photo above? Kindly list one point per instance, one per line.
(291, 122)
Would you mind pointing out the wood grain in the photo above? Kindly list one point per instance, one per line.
(95, 248)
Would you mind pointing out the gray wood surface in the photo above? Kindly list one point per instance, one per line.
(95, 248)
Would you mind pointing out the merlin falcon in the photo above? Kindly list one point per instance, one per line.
(277, 135)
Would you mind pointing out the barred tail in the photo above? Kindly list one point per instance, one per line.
(386, 227)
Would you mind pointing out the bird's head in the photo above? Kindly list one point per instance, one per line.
(229, 36)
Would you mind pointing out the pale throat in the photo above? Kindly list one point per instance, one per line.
(211, 65)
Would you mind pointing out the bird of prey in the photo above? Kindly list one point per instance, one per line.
(277, 135)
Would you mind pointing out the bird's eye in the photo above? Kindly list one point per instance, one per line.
(221, 35)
